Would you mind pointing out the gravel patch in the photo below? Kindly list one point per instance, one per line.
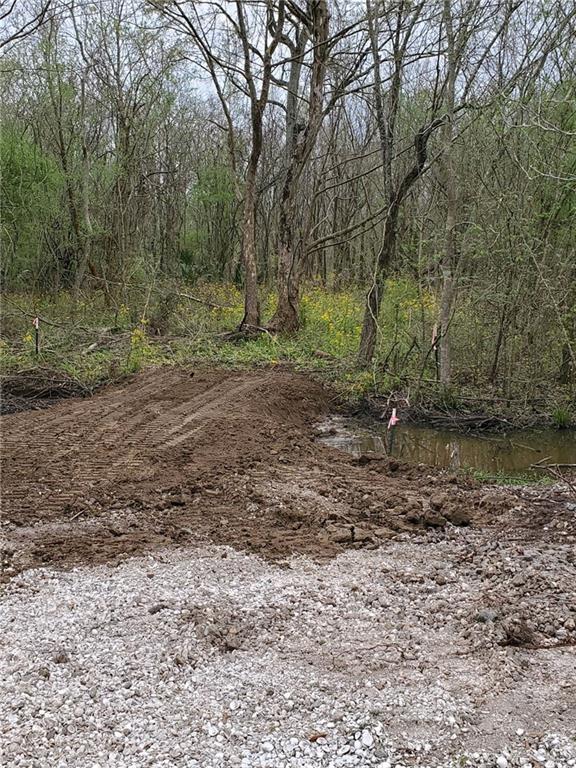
(450, 651)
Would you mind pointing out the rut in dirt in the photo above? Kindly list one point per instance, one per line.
(151, 432)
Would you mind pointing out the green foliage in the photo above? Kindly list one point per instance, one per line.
(214, 185)
(207, 249)
(126, 339)
(558, 201)
(561, 417)
(141, 351)
(30, 187)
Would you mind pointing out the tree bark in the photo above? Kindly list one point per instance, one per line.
(386, 114)
(446, 301)
(258, 102)
(251, 319)
(87, 230)
(300, 142)
(369, 333)
(385, 256)
(450, 183)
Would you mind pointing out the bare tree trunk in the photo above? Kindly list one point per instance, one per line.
(300, 141)
(446, 301)
(387, 250)
(57, 101)
(251, 319)
(386, 121)
(257, 88)
(450, 183)
(369, 333)
(285, 318)
(87, 230)
(395, 191)
(258, 102)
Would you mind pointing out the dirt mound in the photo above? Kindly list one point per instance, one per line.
(178, 457)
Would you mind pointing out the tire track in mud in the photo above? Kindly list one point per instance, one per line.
(54, 459)
(164, 458)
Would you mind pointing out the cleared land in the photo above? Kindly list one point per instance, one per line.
(241, 595)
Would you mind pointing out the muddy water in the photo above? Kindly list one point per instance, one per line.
(510, 453)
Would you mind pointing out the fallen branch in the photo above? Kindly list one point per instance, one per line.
(245, 333)
(203, 301)
(43, 319)
(554, 471)
(539, 465)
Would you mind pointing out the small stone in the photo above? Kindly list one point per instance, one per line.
(413, 516)
(315, 735)
(212, 730)
(267, 746)
(361, 534)
(157, 608)
(501, 761)
(457, 515)
(383, 533)
(367, 739)
(486, 615)
(520, 732)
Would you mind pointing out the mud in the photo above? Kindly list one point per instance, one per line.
(177, 457)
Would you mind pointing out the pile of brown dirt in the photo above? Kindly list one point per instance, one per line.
(176, 457)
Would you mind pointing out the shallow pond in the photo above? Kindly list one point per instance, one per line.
(511, 453)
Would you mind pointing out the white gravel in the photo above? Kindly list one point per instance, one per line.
(212, 657)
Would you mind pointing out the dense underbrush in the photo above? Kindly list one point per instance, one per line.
(98, 338)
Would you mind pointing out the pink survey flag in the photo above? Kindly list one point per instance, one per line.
(393, 419)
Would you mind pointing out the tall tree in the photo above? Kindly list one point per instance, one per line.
(301, 134)
(397, 185)
(255, 32)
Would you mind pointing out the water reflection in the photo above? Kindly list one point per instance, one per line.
(513, 452)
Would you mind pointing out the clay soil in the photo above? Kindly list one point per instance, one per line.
(179, 457)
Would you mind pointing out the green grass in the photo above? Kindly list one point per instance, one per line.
(561, 417)
(511, 478)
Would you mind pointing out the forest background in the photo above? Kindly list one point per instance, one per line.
(381, 192)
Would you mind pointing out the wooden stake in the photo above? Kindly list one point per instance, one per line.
(37, 335)
(391, 440)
